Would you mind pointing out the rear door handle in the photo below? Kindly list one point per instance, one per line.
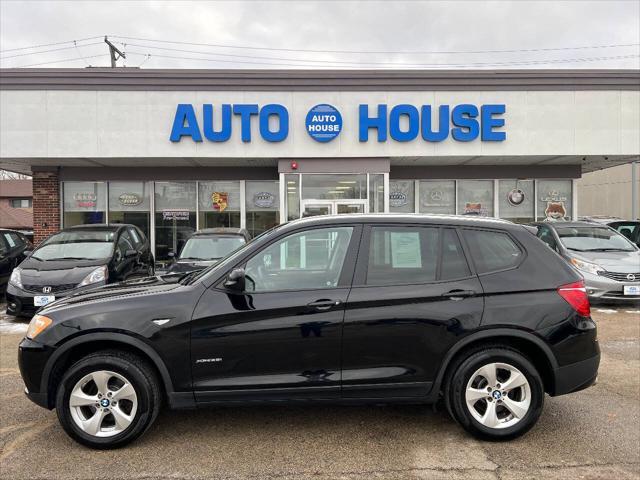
(324, 304)
(459, 294)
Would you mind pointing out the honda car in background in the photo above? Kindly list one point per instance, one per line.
(207, 247)
(75, 259)
(608, 261)
(13, 246)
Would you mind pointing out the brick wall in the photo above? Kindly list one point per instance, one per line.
(46, 205)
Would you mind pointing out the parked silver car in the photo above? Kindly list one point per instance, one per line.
(608, 261)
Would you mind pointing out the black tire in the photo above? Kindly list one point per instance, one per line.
(141, 376)
(456, 387)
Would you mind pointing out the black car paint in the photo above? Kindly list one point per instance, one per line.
(365, 344)
(63, 276)
(11, 257)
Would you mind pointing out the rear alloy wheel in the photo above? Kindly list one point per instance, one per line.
(496, 394)
(108, 399)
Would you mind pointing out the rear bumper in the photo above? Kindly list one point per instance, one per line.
(576, 376)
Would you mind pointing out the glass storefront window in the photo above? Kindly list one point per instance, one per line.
(475, 197)
(292, 182)
(402, 196)
(554, 199)
(334, 187)
(376, 193)
(84, 202)
(129, 202)
(516, 200)
(219, 204)
(262, 201)
(175, 216)
(438, 196)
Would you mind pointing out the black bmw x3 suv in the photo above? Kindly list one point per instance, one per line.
(348, 308)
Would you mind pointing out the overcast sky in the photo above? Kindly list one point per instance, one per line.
(410, 34)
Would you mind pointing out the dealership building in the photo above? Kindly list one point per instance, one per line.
(174, 151)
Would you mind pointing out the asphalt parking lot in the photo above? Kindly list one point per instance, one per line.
(592, 434)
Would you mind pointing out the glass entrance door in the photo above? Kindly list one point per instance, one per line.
(311, 208)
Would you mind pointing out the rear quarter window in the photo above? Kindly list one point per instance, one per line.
(492, 251)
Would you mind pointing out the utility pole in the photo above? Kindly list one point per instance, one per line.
(113, 50)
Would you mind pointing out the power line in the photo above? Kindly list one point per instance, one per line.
(433, 65)
(61, 61)
(434, 52)
(51, 50)
(321, 62)
(48, 44)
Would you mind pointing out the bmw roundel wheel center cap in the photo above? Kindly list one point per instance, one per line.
(104, 402)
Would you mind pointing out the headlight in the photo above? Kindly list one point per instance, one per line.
(38, 324)
(98, 275)
(15, 279)
(586, 266)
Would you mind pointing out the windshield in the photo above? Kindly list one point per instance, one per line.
(77, 245)
(593, 239)
(210, 248)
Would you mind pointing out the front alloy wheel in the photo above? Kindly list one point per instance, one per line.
(108, 399)
(103, 403)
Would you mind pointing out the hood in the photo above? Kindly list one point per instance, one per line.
(623, 262)
(117, 291)
(183, 266)
(59, 272)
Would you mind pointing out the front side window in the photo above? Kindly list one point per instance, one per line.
(124, 244)
(594, 239)
(307, 260)
(77, 245)
(545, 234)
(402, 255)
(492, 251)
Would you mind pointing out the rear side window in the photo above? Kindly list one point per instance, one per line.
(492, 251)
(414, 255)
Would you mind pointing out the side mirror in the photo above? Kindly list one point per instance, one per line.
(130, 253)
(236, 280)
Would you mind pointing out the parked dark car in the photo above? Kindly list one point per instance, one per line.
(347, 308)
(12, 247)
(207, 247)
(76, 259)
(608, 261)
(628, 228)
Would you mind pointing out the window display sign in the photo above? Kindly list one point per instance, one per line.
(402, 196)
(220, 201)
(516, 200)
(84, 196)
(554, 200)
(405, 250)
(263, 200)
(438, 196)
(179, 215)
(129, 199)
(475, 197)
(85, 199)
(397, 199)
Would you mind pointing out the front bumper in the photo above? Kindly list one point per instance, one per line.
(576, 376)
(603, 288)
(32, 360)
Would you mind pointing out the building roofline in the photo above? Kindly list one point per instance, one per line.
(123, 78)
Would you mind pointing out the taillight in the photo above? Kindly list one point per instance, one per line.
(576, 295)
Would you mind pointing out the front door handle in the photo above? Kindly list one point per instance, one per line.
(324, 304)
(459, 294)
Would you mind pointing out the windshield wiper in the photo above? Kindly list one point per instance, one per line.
(192, 258)
(184, 280)
(576, 249)
(607, 250)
